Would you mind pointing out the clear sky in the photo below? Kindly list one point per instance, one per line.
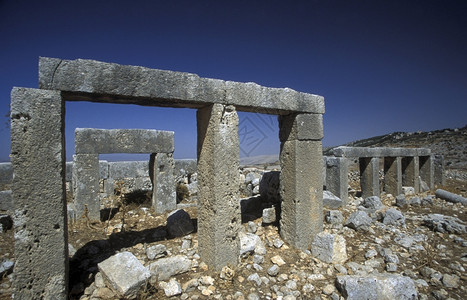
(382, 66)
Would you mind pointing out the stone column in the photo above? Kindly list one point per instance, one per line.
(38, 192)
(438, 170)
(369, 176)
(393, 175)
(426, 170)
(337, 177)
(301, 186)
(219, 217)
(410, 172)
(164, 196)
(86, 185)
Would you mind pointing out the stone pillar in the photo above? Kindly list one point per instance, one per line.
(301, 186)
(426, 170)
(393, 175)
(219, 217)
(410, 172)
(38, 192)
(164, 196)
(337, 177)
(438, 170)
(369, 176)
(86, 185)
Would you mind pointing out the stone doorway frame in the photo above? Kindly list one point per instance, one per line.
(38, 158)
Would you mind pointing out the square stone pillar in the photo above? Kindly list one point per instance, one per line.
(301, 179)
(393, 175)
(337, 177)
(426, 170)
(369, 176)
(38, 192)
(164, 195)
(410, 172)
(86, 185)
(438, 169)
(219, 217)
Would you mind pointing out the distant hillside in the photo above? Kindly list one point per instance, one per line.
(452, 143)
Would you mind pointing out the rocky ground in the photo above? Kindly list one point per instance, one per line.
(418, 246)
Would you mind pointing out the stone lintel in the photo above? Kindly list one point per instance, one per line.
(92, 80)
(379, 152)
(38, 194)
(92, 140)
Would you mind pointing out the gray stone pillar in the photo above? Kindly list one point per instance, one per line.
(438, 170)
(219, 217)
(410, 172)
(369, 176)
(393, 175)
(86, 185)
(426, 170)
(337, 177)
(301, 178)
(38, 192)
(164, 196)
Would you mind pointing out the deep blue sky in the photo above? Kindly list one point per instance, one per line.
(382, 66)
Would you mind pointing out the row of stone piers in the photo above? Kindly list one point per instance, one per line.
(401, 167)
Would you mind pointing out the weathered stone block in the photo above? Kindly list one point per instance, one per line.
(6, 172)
(381, 287)
(330, 248)
(5, 201)
(38, 192)
(138, 85)
(165, 268)
(301, 127)
(179, 223)
(369, 177)
(92, 140)
(86, 185)
(164, 196)
(124, 273)
(301, 192)
(337, 180)
(218, 182)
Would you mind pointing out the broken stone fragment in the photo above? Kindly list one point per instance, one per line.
(124, 274)
(330, 248)
(165, 268)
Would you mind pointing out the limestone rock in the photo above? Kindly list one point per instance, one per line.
(171, 288)
(249, 242)
(179, 223)
(358, 220)
(165, 268)
(156, 251)
(124, 274)
(394, 217)
(269, 215)
(381, 287)
(373, 202)
(444, 223)
(334, 217)
(330, 200)
(269, 187)
(330, 248)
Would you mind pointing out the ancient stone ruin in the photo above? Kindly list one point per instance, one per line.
(90, 142)
(38, 158)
